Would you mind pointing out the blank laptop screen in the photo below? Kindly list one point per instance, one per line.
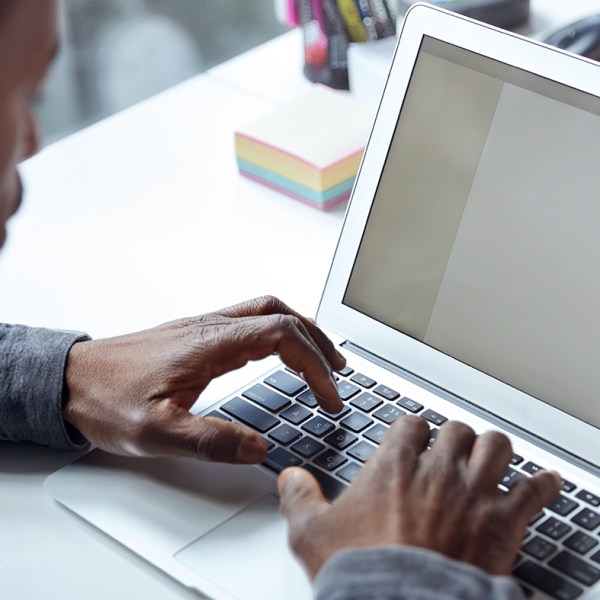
(483, 239)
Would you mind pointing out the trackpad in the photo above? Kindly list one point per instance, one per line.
(248, 555)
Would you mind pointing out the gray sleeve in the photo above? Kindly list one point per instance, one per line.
(403, 573)
(32, 367)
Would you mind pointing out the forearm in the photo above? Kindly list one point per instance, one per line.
(396, 572)
(32, 366)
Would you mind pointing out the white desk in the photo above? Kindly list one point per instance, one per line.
(140, 219)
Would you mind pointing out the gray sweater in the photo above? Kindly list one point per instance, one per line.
(32, 366)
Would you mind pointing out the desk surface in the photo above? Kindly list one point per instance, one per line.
(140, 219)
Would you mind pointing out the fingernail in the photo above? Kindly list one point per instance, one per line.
(251, 451)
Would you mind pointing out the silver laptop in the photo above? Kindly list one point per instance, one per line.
(465, 285)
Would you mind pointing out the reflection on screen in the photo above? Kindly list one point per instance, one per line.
(483, 239)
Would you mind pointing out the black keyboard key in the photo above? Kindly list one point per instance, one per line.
(588, 519)
(366, 402)
(376, 433)
(596, 557)
(347, 390)
(547, 581)
(517, 459)
(531, 468)
(568, 486)
(575, 567)
(356, 422)
(363, 380)
(580, 542)
(307, 447)
(296, 414)
(588, 498)
(331, 487)
(388, 413)
(250, 415)
(386, 392)
(266, 398)
(336, 416)
(318, 426)
(217, 415)
(349, 472)
(308, 399)
(346, 371)
(285, 434)
(553, 528)
(562, 505)
(511, 477)
(340, 439)
(434, 417)
(539, 548)
(526, 591)
(361, 451)
(279, 459)
(330, 460)
(285, 383)
(410, 405)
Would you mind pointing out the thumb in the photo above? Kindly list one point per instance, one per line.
(301, 496)
(179, 433)
(302, 502)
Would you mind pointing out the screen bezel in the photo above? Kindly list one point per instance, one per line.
(526, 412)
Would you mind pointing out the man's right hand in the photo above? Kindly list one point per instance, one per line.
(445, 499)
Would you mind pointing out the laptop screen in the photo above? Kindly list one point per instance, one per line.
(483, 240)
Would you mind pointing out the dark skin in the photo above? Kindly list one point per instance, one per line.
(131, 394)
(445, 499)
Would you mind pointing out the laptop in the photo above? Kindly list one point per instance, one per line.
(465, 285)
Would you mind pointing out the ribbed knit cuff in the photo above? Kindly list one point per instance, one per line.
(32, 372)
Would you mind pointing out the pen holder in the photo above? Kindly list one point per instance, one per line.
(330, 25)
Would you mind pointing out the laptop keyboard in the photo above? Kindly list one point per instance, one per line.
(560, 554)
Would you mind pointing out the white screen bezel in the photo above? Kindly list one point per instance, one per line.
(530, 414)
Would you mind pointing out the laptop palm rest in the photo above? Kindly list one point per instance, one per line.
(163, 509)
(254, 567)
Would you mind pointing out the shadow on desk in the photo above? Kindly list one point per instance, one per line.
(29, 459)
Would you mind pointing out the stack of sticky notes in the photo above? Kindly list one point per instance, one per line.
(309, 148)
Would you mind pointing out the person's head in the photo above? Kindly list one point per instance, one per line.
(28, 44)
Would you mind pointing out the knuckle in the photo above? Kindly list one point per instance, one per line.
(497, 442)
(286, 324)
(413, 422)
(270, 304)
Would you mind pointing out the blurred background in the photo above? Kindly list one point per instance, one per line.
(118, 52)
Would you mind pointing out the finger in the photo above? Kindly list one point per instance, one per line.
(301, 496)
(403, 443)
(298, 351)
(231, 343)
(530, 494)
(269, 305)
(490, 456)
(454, 441)
(172, 431)
(258, 337)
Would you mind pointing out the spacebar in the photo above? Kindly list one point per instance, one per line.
(548, 582)
(332, 488)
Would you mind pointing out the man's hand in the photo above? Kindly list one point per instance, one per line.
(131, 394)
(445, 499)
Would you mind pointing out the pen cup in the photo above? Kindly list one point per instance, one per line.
(330, 25)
